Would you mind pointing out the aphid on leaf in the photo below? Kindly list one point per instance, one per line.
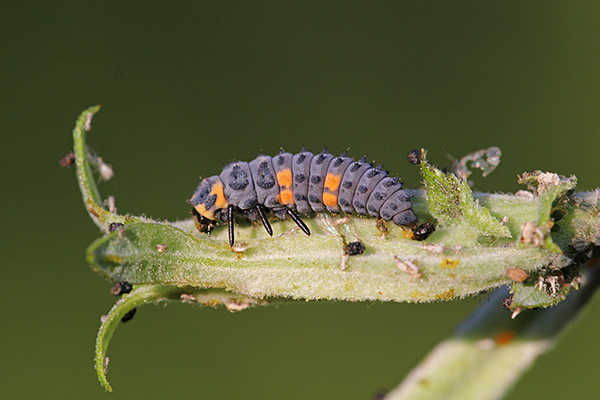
(129, 315)
(354, 248)
(120, 288)
(115, 226)
(288, 185)
(423, 231)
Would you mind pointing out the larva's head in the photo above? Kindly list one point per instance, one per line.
(203, 224)
(208, 202)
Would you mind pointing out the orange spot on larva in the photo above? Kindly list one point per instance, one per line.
(329, 199)
(284, 178)
(286, 196)
(204, 212)
(332, 182)
(221, 201)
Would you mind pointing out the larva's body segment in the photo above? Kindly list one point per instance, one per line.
(366, 185)
(405, 218)
(384, 189)
(301, 175)
(265, 181)
(282, 164)
(238, 185)
(350, 181)
(396, 203)
(287, 184)
(333, 182)
(318, 173)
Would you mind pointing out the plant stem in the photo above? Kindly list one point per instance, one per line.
(490, 352)
(145, 294)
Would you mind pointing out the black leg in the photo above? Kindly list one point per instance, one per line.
(230, 223)
(261, 213)
(298, 221)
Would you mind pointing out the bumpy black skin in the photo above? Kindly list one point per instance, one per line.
(122, 287)
(321, 182)
(423, 231)
(129, 315)
(354, 248)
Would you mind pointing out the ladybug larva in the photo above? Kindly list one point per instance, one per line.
(288, 185)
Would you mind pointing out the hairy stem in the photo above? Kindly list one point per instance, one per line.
(535, 241)
(490, 352)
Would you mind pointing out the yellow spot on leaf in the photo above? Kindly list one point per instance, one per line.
(407, 234)
(447, 295)
(449, 263)
(113, 259)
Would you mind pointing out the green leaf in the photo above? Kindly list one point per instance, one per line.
(534, 296)
(550, 190)
(472, 250)
(451, 202)
(296, 266)
(85, 177)
(155, 294)
(490, 351)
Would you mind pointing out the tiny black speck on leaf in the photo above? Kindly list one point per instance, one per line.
(129, 315)
(120, 288)
(354, 248)
(423, 231)
(115, 226)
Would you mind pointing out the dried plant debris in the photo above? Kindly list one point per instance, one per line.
(408, 266)
(486, 160)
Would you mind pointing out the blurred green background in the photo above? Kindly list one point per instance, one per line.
(188, 86)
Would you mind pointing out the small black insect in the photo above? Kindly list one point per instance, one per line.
(291, 184)
(120, 288)
(129, 315)
(507, 302)
(354, 248)
(115, 226)
(423, 231)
